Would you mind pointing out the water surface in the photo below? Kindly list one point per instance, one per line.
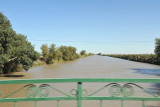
(89, 67)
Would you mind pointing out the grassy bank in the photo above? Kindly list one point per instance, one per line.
(146, 58)
(38, 63)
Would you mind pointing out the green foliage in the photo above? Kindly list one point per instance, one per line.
(52, 49)
(83, 52)
(51, 55)
(90, 54)
(99, 54)
(157, 47)
(45, 52)
(59, 55)
(65, 53)
(68, 53)
(15, 50)
(38, 63)
(49, 59)
(146, 58)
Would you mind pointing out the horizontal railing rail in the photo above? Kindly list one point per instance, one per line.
(62, 80)
(118, 89)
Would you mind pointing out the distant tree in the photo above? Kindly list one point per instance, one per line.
(66, 53)
(157, 47)
(69, 53)
(15, 50)
(99, 54)
(45, 51)
(90, 54)
(51, 55)
(83, 52)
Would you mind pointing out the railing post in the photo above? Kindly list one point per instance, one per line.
(79, 95)
(58, 103)
(122, 103)
(144, 105)
(15, 104)
(35, 104)
(101, 103)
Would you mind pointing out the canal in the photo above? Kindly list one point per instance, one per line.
(89, 67)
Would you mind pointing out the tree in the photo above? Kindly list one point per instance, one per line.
(59, 55)
(83, 52)
(157, 47)
(90, 54)
(69, 53)
(15, 50)
(52, 51)
(157, 51)
(51, 55)
(6, 34)
(45, 52)
(99, 54)
(52, 48)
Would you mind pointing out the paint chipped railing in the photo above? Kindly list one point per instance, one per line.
(118, 89)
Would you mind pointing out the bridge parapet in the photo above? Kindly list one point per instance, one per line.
(115, 89)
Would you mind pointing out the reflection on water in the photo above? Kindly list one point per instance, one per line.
(11, 75)
(155, 88)
(89, 67)
(155, 72)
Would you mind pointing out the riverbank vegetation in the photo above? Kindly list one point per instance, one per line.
(16, 52)
(54, 54)
(84, 54)
(146, 58)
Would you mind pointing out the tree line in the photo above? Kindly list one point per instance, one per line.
(146, 58)
(54, 54)
(17, 53)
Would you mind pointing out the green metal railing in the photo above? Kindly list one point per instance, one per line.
(118, 89)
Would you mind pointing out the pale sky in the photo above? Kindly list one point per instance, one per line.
(106, 26)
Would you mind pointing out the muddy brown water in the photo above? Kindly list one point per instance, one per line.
(89, 67)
